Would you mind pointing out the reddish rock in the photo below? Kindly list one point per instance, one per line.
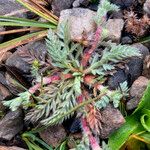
(112, 119)
(53, 135)
(136, 92)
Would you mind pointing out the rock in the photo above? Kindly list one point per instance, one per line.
(4, 92)
(123, 4)
(11, 124)
(58, 6)
(126, 40)
(1, 36)
(136, 92)
(16, 62)
(84, 2)
(75, 126)
(10, 148)
(21, 63)
(8, 6)
(112, 119)
(146, 67)
(76, 3)
(5, 56)
(93, 6)
(147, 7)
(134, 69)
(116, 15)
(117, 78)
(143, 49)
(4, 88)
(80, 21)
(115, 27)
(53, 135)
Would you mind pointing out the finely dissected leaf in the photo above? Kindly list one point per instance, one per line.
(104, 7)
(23, 99)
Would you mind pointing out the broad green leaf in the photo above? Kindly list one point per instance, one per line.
(137, 122)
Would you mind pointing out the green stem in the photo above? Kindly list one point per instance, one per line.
(70, 111)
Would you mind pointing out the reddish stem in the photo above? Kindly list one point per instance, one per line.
(88, 53)
(86, 129)
(46, 80)
(93, 141)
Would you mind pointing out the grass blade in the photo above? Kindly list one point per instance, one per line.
(6, 46)
(38, 12)
(13, 21)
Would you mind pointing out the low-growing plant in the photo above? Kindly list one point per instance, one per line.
(74, 84)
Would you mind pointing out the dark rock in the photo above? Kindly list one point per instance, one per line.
(53, 135)
(134, 70)
(136, 92)
(117, 78)
(147, 7)
(143, 49)
(93, 7)
(1, 36)
(146, 67)
(10, 148)
(4, 92)
(18, 61)
(11, 124)
(84, 2)
(116, 15)
(123, 3)
(58, 6)
(75, 126)
(112, 119)
(126, 40)
(8, 6)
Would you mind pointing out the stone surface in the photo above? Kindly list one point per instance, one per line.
(134, 69)
(84, 2)
(117, 78)
(115, 27)
(147, 7)
(136, 92)
(1, 36)
(4, 92)
(80, 21)
(10, 148)
(123, 3)
(59, 5)
(18, 61)
(11, 124)
(53, 135)
(146, 67)
(143, 49)
(8, 6)
(76, 3)
(126, 40)
(112, 119)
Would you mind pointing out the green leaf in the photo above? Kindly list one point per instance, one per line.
(13, 21)
(137, 122)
